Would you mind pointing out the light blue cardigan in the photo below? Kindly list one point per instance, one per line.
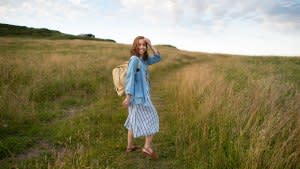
(137, 84)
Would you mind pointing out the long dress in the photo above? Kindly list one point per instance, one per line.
(142, 120)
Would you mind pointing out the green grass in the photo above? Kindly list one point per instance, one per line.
(59, 108)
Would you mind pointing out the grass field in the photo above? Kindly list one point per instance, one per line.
(58, 108)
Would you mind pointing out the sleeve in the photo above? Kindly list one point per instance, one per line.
(154, 59)
(133, 63)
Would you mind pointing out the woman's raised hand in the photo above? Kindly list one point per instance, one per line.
(148, 42)
(154, 50)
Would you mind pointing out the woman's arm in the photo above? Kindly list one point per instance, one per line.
(129, 87)
(156, 58)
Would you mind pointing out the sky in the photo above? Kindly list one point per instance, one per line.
(248, 27)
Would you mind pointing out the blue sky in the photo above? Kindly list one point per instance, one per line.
(254, 27)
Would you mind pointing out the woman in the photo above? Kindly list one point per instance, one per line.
(142, 117)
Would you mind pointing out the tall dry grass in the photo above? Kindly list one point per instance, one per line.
(246, 121)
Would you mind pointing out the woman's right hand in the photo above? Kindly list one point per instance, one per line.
(148, 42)
(126, 101)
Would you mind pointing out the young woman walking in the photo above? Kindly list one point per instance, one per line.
(142, 117)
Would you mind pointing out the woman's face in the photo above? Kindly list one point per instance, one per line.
(142, 47)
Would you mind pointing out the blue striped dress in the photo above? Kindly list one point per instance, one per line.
(142, 120)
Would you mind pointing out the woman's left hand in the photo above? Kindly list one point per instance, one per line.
(126, 101)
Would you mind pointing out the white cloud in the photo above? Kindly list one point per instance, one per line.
(54, 10)
(230, 26)
(212, 15)
(279, 14)
(3, 11)
(154, 11)
(75, 2)
(216, 15)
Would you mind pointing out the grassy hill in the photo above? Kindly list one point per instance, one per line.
(7, 30)
(59, 108)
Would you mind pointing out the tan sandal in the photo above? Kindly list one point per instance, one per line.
(147, 152)
(131, 149)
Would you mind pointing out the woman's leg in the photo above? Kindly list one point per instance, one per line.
(148, 141)
(130, 139)
(148, 148)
